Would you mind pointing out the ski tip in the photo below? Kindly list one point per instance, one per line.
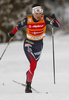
(13, 81)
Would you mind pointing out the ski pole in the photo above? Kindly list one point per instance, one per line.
(53, 53)
(6, 48)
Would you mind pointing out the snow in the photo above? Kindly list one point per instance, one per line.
(14, 64)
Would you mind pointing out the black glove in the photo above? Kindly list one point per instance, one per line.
(10, 35)
(53, 16)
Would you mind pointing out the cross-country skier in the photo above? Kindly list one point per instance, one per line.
(33, 44)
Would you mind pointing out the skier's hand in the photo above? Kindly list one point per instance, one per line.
(53, 16)
(53, 19)
(10, 35)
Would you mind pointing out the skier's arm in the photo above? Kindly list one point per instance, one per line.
(52, 20)
(21, 24)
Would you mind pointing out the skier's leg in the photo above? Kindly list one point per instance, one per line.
(30, 72)
(32, 52)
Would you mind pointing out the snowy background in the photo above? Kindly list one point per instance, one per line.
(14, 64)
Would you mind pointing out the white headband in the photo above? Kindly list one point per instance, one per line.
(37, 9)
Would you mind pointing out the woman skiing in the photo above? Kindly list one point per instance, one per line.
(33, 44)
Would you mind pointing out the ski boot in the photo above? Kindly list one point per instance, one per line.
(28, 88)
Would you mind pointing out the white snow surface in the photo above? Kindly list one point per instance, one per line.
(14, 64)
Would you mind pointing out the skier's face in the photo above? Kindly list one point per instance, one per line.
(37, 16)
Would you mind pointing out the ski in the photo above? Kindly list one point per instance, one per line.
(25, 86)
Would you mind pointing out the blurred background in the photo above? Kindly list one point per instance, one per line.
(13, 11)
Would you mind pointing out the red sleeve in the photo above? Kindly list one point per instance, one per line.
(15, 30)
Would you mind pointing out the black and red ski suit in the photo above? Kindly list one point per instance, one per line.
(32, 48)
